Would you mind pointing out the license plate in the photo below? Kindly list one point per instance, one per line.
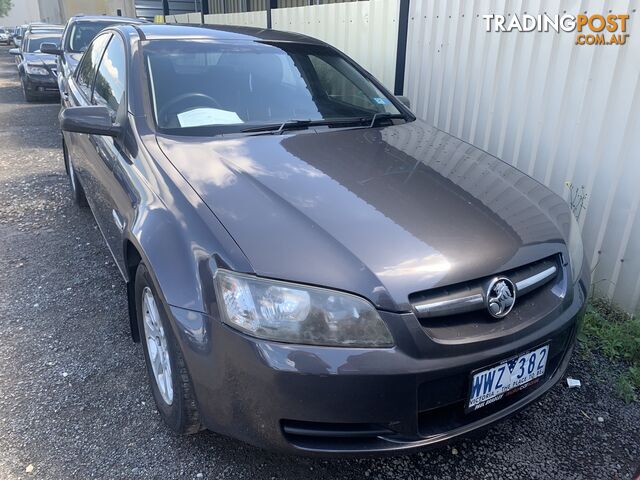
(509, 376)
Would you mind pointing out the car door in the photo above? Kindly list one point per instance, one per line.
(111, 161)
(80, 89)
(20, 56)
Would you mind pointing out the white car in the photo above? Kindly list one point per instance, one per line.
(4, 36)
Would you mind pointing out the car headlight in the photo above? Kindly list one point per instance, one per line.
(576, 250)
(34, 70)
(294, 313)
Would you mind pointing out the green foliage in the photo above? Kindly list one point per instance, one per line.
(5, 7)
(617, 335)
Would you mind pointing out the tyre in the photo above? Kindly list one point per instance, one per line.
(77, 193)
(28, 96)
(170, 382)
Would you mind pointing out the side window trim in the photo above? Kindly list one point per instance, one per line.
(98, 63)
(106, 47)
(95, 74)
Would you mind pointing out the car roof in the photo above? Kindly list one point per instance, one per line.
(45, 27)
(44, 34)
(103, 18)
(153, 31)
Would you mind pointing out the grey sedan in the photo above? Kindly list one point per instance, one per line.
(309, 267)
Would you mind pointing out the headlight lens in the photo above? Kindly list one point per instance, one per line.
(294, 313)
(576, 250)
(36, 70)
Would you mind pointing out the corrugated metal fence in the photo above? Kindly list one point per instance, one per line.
(558, 111)
(246, 19)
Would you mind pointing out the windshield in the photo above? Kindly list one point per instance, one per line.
(35, 43)
(82, 33)
(203, 87)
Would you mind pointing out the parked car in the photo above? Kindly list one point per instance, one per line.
(78, 34)
(17, 38)
(309, 267)
(38, 27)
(12, 34)
(4, 36)
(37, 70)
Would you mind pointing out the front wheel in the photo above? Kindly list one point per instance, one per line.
(28, 95)
(168, 376)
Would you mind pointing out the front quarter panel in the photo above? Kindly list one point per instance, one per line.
(175, 233)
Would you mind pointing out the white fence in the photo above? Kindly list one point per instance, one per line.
(558, 111)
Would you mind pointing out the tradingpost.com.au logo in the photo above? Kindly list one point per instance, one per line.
(593, 29)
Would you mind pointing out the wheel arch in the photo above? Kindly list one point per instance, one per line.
(132, 260)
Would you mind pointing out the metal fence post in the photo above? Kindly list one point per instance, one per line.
(270, 4)
(401, 51)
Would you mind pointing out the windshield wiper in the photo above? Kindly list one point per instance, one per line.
(383, 116)
(278, 128)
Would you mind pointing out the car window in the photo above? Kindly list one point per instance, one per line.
(342, 83)
(89, 64)
(110, 80)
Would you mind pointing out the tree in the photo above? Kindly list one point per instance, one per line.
(5, 7)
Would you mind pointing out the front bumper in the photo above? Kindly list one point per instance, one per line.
(42, 85)
(324, 400)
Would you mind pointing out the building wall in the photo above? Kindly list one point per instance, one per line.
(50, 11)
(127, 7)
(23, 11)
(558, 111)
(96, 7)
(59, 11)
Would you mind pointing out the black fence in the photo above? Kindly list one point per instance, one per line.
(148, 9)
(234, 6)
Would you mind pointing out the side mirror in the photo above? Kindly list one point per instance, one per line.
(405, 101)
(94, 120)
(14, 51)
(50, 48)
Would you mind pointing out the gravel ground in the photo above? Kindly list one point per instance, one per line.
(74, 401)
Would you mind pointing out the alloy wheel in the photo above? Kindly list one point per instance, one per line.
(157, 347)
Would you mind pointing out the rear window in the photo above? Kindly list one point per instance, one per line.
(82, 33)
(35, 43)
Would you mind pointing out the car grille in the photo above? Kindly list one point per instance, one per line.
(457, 313)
